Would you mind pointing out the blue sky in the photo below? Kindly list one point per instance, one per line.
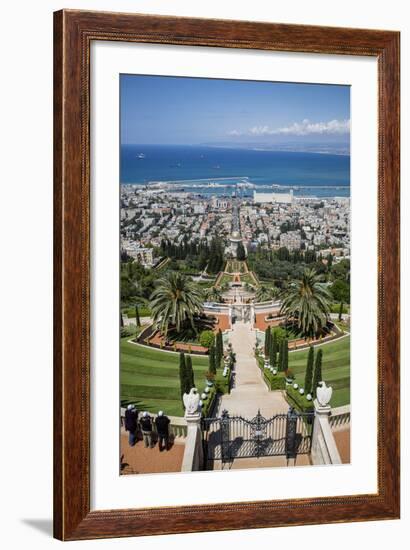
(174, 110)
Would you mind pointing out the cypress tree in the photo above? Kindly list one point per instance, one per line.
(285, 355)
(272, 353)
(212, 359)
(182, 374)
(318, 372)
(280, 360)
(137, 316)
(267, 341)
(220, 344)
(218, 350)
(190, 372)
(309, 370)
(217, 357)
(274, 344)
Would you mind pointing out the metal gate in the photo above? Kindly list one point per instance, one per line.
(230, 437)
(237, 313)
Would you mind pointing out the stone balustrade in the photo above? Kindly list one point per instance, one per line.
(340, 418)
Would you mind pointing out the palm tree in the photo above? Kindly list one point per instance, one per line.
(266, 293)
(213, 294)
(307, 303)
(175, 301)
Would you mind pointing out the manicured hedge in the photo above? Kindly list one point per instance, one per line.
(299, 402)
(222, 383)
(274, 381)
(208, 403)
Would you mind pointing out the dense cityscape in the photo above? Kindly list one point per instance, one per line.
(268, 221)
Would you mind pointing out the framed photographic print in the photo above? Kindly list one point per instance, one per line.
(226, 335)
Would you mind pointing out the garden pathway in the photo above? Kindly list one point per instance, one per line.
(250, 392)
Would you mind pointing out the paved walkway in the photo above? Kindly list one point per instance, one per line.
(139, 460)
(342, 438)
(250, 392)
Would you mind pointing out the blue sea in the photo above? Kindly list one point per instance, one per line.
(217, 170)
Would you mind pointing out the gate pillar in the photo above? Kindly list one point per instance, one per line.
(291, 427)
(324, 448)
(193, 455)
(225, 436)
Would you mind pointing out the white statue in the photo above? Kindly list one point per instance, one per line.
(191, 401)
(324, 394)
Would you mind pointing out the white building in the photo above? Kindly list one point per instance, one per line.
(286, 198)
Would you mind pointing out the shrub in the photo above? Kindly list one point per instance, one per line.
(212, 359)
(208, 404)
(299, 402)
(128, 330)
(280, 333)
(183, 378)
(273, 350)
(317, 377)
(210, 376)
(189, 372)
(309, 370)
(206, 338)
(267, 345)
(222, 383)
(274, 381)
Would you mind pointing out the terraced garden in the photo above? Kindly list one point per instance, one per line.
(248, 278)
(224, 278)
(236, 266)
(149, 378)
(335, 369)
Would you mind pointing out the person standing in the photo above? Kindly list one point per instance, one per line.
(131, 424)
(146, 427)
(162, 423)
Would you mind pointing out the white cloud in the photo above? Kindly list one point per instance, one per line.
(306, 127)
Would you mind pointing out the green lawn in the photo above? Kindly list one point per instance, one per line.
(225, 279)
(143, 310)
(247, 278)
(335, 370)
(150, 379)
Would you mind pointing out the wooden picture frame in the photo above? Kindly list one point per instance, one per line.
(74, 32)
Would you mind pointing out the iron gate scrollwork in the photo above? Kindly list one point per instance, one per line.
(229, 437)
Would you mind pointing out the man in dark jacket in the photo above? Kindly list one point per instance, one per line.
(131, 424)
(162, 424)
(146, 427)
